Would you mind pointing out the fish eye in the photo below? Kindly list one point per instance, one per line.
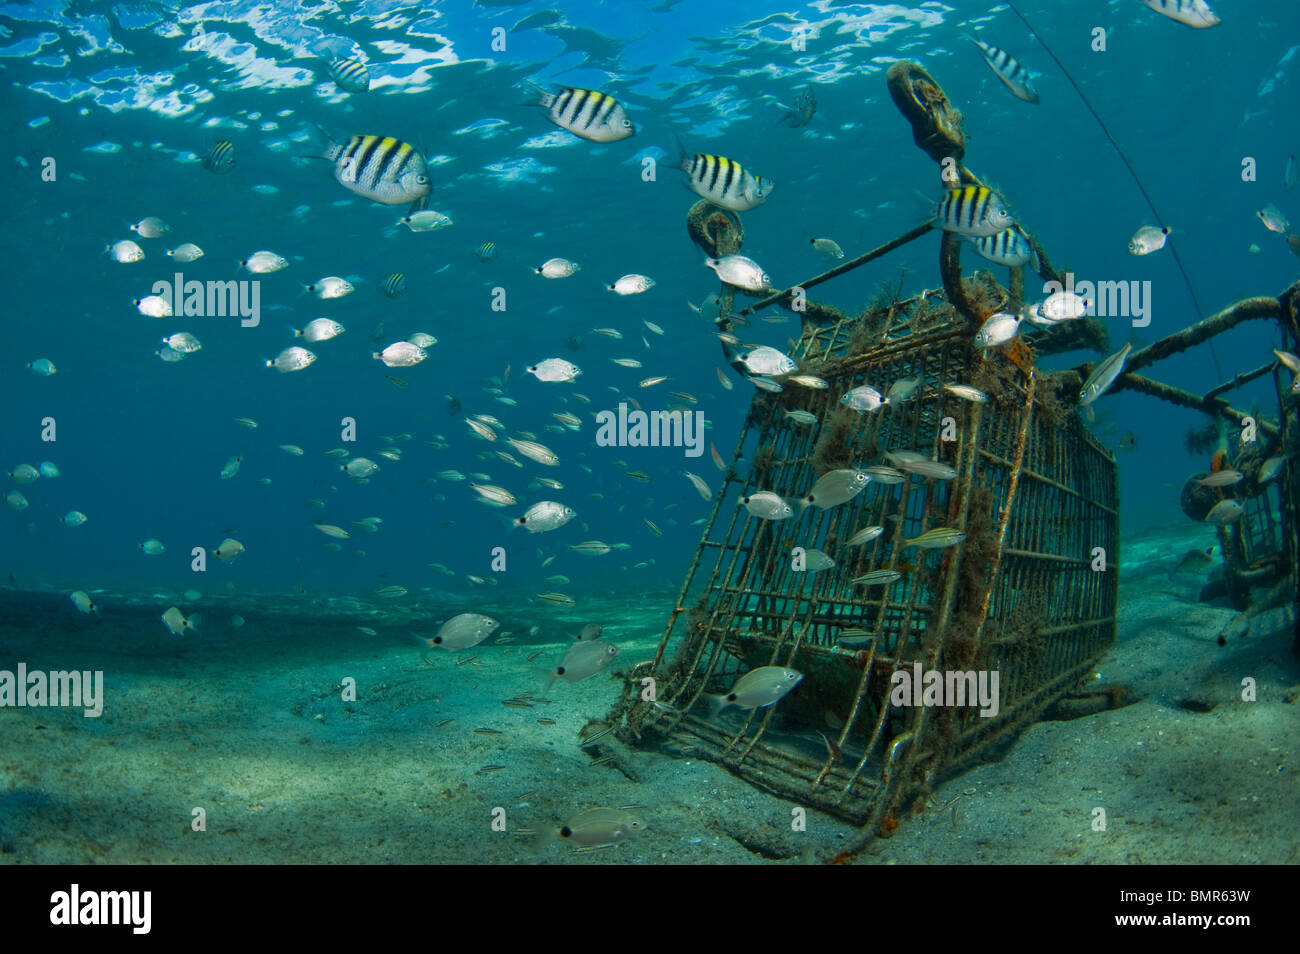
(627, 124)
(421, 179)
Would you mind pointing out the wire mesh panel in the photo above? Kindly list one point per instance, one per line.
(842, 594)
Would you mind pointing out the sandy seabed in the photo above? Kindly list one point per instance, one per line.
(250, 725)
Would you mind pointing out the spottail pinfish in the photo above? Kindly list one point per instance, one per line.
(756, 689)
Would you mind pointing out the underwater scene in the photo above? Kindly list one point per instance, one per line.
(650, 432)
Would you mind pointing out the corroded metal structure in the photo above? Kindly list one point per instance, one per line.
(1029, 593)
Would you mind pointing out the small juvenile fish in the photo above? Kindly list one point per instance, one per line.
(864, 398)
(654, 329)
(1224, 513)
(462, 632)
(698, 483)
(559, 599)
(836, 487)
(220, 158)
(391, 592)
(1269, 469)
(332, 531)
(968, 393)
(885, 475)
(1221, 478)
(865, 535)
(349, 75)
(999, 329)
(556, 268)
(827, 247)
(936, 537)
(126, 252)
(809, 381)
(545, 515)
(535, 451)
(591, 548)
(176, 622)
(767, 506)
(496, 495)
(186, 253)
(814, 561)
(584, 659)
(802, 417)
(264, 263)
(878, 578)
(651, 382)
(626, 362)
(228, 550)
(631, 285)
(1287, 358)
(756, 689)
(426, 220)
(1104, 375)
(554, 369)
(1148, 239)
(608, 333)
(151, 227)
(231, 468)
(82, 601)
(292, 359)
(1274, 220)
(929, 468)
(740, 271)
(654, 527)
(765, 360)
(600, 827)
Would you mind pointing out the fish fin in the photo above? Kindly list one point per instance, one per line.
(421, 203)
(540, 95)
(193, 622)
(716, 704)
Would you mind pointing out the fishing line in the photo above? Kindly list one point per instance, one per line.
(1200, 312)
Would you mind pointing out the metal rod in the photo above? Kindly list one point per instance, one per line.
(848, 266)
(1239, 379)
(1233, 315)
(1215, 407)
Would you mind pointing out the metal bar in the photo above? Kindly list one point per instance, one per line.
(862, 259)
(1215, 407)
(1239, 379)
(1244, 310)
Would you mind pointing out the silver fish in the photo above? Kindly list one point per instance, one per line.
(1224, 513)
(1104, 375)
(462, 631)
(584, 659)
(865, 535)
(967, 393)
(929, 468)
(814, 561)
(1148, 239)
(864, 398)
(877, 578)
(836, 487)
(756, 689)
(999, 329)
(936, 537)
(545, 515)
(765, 360)
(767, 506)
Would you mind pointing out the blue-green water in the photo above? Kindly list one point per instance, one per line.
(108, 109)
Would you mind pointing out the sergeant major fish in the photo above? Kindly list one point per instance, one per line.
(724, 182)
(1014, 76)
(586, 113)
(380, 168)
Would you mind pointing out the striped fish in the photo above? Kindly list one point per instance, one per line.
(350, 75)
(586, 113)
(1009, 247)
(394, 285)
(380, 168)
(724, 182)
(1194, 13)
(486, 252)
(973, 210)
(1015, 76)
(220, 158)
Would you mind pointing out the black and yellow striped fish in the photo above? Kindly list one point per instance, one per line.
(394, 285)
(220, 158)
(381, 168)
(724, 182)
(586, 113)
(1013, 75)
(1009, 247)
(350, 75)
(486, 252)
(973, 210)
